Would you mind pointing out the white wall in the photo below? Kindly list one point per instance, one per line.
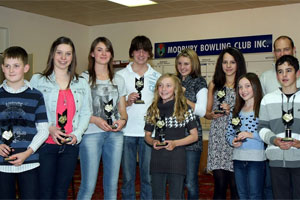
(277, 20)
(36, 33)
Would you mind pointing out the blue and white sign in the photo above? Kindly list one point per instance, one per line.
(247, 44)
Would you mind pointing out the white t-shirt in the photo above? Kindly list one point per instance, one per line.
(136, 112)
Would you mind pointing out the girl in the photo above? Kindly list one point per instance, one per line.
(66, 97)
(170, 116)
(102, 138)
(221, 95)
(248, 154)
(195, 90)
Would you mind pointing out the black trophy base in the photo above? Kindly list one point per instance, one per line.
(287, 139)
(139, 102)
(161, 144)
(66, 140)
(7, 159)
(114, 126)
(219, 111)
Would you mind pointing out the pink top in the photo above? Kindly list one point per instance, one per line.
(65, 101)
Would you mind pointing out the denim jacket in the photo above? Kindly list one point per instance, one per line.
(82, 96)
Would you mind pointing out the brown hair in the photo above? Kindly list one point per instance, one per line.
(195, 62)
(50, 63)
(257, 94)
(91, 66)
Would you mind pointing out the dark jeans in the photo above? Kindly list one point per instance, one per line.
(58, 164)
(285, 182)
(268, 193)
(223, 178)
(159, 183)
(192, 167)
(249, 178)
(132, 147)
(28, 184)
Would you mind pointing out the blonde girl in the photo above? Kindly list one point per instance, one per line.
(168, 163)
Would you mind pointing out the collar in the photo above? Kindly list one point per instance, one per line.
(129, 67)
(13, 91)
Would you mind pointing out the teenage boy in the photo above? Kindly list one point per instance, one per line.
(24, 128)
(140, 52)
(279, 115)
(283, 45)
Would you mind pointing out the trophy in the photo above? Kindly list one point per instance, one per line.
(236, 124)
(7, 137)
(139, 85)
(288, 120)
(62, 121)
(160, 130)
(108, 108)
(220, 97)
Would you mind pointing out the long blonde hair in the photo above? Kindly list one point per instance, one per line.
(180, 106)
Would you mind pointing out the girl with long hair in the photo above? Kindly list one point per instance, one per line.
(195, 90)
(220, 101)
(103, 137)
(248, 154)
(170, 116)
(66, 97)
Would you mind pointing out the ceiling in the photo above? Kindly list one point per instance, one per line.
(98, 12)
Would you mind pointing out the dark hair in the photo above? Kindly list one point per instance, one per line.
(257, 94)
(291, 60)
(141, 42)
(91, 66)
(50, 63)
(16, 52)
(219, 78)
(195, 62)
(284, 37)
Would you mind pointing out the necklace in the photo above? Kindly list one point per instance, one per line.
(65, 97)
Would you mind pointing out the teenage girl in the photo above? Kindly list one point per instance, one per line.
(67, 98)
(195, 90)
(102, 140)
(230, 65)
(248, 154)
(168, 163)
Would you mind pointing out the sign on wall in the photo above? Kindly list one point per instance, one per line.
(247, 44)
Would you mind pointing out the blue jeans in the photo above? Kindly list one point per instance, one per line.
(28, 184)
(249, 178)
(58, 163)
(109, 146)
(132, 146)
(268, 192)
(192, 167)
(159, 185)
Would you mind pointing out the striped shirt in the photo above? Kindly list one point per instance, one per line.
(40, 123)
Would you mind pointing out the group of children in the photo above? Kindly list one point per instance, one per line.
(44, 121)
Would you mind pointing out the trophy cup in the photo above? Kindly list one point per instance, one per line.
(62, 121)
(220, 97)
(108, 108)
(236, 124)
(288, 120)
(139, 85)
(160, 128)
(7, 137)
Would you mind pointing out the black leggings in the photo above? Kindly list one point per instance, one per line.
(222, 179)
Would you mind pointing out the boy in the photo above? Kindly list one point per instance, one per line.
(24, 128)
(278, 116)
(140, 51)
